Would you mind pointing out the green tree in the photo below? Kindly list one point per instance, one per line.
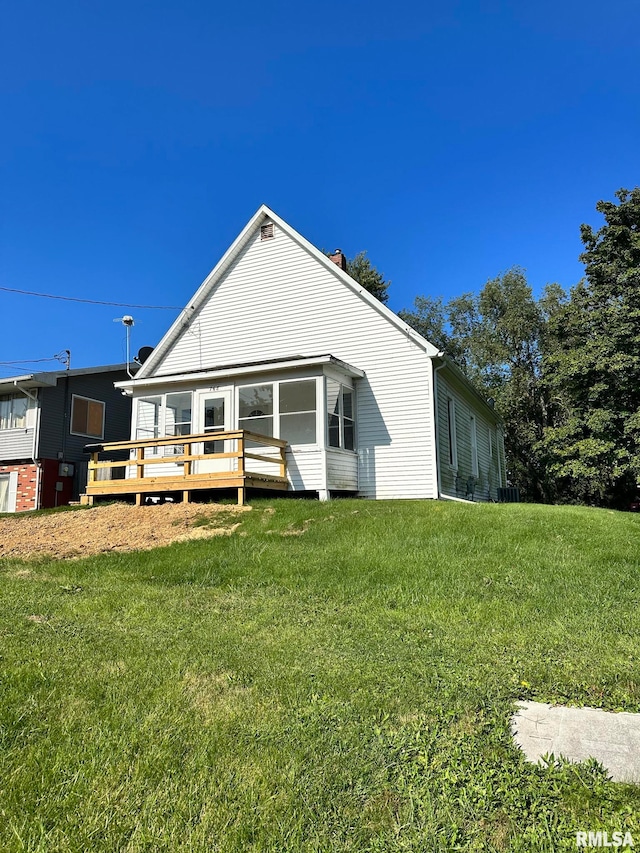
(592, 364)
(361, 269)
(495, 337)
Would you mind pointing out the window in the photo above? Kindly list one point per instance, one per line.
(148, 417)
(4, 493)
(340, 414)
(87, 417)
(13, 410)
(177, 418)
(474, 447)
(255, 408)
(298, 411)
(451, 429)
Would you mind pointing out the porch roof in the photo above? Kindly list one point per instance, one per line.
(230, 371)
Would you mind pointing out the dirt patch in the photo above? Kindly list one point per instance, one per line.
(118, 527)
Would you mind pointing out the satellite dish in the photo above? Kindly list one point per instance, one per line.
(143, 354)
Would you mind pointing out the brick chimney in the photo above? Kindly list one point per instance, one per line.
(339, 259)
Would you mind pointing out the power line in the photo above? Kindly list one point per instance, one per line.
(91, 301)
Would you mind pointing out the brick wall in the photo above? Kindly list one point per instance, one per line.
(26, 493)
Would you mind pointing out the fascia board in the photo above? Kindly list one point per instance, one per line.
(244, 370)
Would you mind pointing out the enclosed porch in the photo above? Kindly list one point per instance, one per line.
(235, 459)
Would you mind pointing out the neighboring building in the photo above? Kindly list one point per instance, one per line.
(46, 419)
(281, 341)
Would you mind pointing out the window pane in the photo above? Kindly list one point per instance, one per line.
(349, 435)
(95, 419)
(4, 493)
(178, 414)
(79, 415)
(334, 431)
(20, 405)
(263, 426)
(148, 417)
(214, 413)
(5, 412)
(347, 403)
(298, 396)
(298, 428)
(333, 397)
(256, 401)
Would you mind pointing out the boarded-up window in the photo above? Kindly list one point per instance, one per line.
(87, 417)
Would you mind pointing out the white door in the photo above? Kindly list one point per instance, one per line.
(214, 415)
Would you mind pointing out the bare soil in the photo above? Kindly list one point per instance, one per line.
(117, 527)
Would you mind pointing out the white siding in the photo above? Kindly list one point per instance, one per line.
(342, 470)
(277, 300)
(16, 444)
(454, 480)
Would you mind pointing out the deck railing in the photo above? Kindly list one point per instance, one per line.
(190, 462)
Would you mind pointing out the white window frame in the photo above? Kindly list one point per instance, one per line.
(275, 384)
(341, 417)
(451, 433)
(31, 405)
(12, 489)
(75, 397)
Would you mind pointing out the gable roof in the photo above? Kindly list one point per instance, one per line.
(195, 303)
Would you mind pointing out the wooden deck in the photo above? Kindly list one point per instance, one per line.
(238, 467)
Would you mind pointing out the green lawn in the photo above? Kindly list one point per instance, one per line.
(331, 677)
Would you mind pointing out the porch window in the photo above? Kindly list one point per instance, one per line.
(87, 417)
(298, 411)
(177, 418)
(13, 410)
(255, 408)
(340, 412)
(148, 417)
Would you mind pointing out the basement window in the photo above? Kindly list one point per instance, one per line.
(87, 417)
(266, 231)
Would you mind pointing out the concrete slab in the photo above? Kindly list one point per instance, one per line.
(613, 739)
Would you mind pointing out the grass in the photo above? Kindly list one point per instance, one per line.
(331, 677)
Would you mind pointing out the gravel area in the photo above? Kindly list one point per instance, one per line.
(117, 527)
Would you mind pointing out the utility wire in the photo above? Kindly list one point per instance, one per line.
(91, 301)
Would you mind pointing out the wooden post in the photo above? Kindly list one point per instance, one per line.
(138, 499)
(186, 496)
(139, 463)
(187, 464)
(241, 455)
(283, 462)
(93, 467)
(241, 495)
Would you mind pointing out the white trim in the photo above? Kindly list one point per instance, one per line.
(255, 368)
(473, 428)
(452, 435)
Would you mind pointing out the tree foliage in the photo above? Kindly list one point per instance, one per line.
(495, 338)
(564, 369)
(361, 269)
(592, 366)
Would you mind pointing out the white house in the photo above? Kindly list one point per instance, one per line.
(279, 340)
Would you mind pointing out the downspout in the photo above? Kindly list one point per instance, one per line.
(436, 442)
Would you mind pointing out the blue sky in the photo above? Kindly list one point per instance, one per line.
(451, 141)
